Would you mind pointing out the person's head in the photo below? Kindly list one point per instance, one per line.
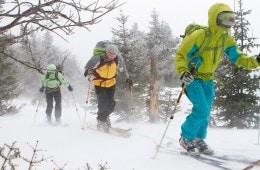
(51, 68)
(111, 52)
(220, 16)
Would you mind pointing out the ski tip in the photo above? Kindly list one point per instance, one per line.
(257, 162)
(248, 167)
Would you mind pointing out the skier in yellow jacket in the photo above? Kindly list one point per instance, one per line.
(103, 65)
(200, 87)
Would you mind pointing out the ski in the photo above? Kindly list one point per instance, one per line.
(225, 163)
(125, 133)
(234, 158)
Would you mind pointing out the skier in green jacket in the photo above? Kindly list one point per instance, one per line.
(200, 86)
(51, 82)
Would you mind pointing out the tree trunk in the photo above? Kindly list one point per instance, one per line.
(154, 113)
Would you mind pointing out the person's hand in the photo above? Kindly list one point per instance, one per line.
(258, 58)
(70, 88)
(89, 72)
(187, 77)
(41, 89)
(130, 82)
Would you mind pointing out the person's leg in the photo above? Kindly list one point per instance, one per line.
(199, 113)
(57, 98)
(209, 91)
(49, 100)
(102, 100)
(111, 103)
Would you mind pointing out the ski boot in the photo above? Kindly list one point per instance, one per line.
(203, 147)
(102, 126)
(48, 119)
(108, 122)
(189, 146)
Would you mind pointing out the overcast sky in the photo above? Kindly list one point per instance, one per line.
(176, 13)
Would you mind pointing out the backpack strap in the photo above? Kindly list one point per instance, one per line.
(56, 76)
(204, 44)
(97, 75)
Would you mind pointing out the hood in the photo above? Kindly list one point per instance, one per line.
(213, 12)
(51, 67)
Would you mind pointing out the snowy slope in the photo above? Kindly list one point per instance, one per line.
(73, 147)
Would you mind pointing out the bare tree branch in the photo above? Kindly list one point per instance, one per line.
(58, 16)
(54, 15)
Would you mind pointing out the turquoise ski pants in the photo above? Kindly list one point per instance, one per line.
(201, 94)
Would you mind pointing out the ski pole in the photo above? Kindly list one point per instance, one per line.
(258, 129)
(35, 115)
(76, 107)
(192, 71)
(88, 93)
(132, 102)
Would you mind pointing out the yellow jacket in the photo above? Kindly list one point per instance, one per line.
(106, 70)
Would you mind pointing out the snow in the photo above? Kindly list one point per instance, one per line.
(70, 147)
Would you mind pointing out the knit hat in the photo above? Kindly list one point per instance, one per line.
(111, 51)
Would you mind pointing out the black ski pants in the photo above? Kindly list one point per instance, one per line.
(106, 102)
(56, 96)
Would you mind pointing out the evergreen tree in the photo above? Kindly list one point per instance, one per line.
(166, 69)
(131, 44)
(237, 101)
(9, 87)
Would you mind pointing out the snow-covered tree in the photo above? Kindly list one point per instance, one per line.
(9, 87)
(131, 43)
(161, 47)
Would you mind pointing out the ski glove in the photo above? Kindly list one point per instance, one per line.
(130, 82)
(187, 77)
(70, 88)
(90, 72)
(41, 89)
(258, 58)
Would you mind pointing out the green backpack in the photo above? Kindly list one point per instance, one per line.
(190, 29)
(59, 69)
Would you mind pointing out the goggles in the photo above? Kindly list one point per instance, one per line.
(226, 19)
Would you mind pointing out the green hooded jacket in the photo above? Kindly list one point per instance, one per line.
(220, 42)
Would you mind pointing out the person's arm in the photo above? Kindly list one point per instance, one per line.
(63, 81)
(42, 80)
(92, 62)
(238, 58)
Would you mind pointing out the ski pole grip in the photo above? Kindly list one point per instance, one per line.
(192, 69)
